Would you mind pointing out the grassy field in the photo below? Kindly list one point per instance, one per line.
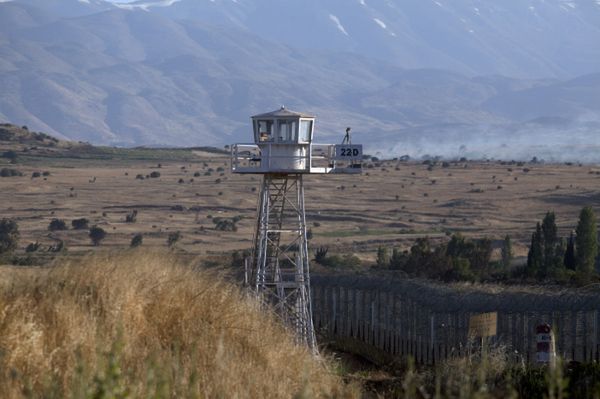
(142, 324)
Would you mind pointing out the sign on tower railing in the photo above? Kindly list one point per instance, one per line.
(347, 152)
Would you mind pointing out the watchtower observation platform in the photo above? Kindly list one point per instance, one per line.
(283, 143)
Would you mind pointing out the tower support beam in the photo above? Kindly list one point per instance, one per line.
(280, 265)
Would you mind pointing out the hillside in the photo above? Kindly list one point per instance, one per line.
(143, 325)
(191, 74)
(19, 143)
(532, 39)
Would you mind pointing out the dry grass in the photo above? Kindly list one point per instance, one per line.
(386, 207)
(139, 324)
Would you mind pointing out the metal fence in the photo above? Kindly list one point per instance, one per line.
(428, 321)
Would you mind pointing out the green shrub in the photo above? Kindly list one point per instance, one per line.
(57, 225)
(10, 155)
(8, 172)
(225, 224)
(97, 234)
(9, 235)
(32, 247)
(136, 240)
(131, 217)
(80, 224)
(173, 238)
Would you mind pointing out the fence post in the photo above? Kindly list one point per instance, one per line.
(584, 336)
(597, 335)
(372, 329)
(432, 337)
(574, 335)
(560, 334)
(345, 313)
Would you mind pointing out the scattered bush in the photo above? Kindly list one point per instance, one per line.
(10, 155)
(97, 234)
(136, 240)
(344, 261)
(35, 175)
(155, 175)
(321, 254)
(9, 236)
(226, 224)
(57, 225)
(8, 172)
(32, 247)
(173, 238)
(131, 217)
(80, 224)
(58, 247)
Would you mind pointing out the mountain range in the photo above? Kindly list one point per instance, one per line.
(507, 79)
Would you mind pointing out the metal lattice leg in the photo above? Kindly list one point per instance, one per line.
(280, 267)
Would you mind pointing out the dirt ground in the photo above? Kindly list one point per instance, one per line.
(391, 203)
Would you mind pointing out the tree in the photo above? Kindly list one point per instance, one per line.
(550, 241)
(131, 217)
(570, 261)
(80, 224)
(173, 238)
(32, 247)
(321, 254)
(586, 241)
(97, 234)
(309, 234)
(535, 257)
(225, 224)
(11, 156)
(397, 260)
(57, 224)
(477, 252)
(9, 236)
(507, 252)
(383, 259)
(136, 241)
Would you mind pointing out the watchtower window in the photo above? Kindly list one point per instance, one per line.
(305, 130)
(265, 130)
(287, 130)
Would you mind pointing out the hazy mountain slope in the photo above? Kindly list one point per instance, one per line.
(134, 77)
(523, 38)
(69, 8)
(579, 98)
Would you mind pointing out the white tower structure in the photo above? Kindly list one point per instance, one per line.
(283, 152)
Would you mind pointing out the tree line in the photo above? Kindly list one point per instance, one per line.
(550, 257)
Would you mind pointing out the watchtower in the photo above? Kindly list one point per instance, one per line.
(283, 151)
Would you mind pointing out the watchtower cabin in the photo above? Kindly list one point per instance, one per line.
(283, 143)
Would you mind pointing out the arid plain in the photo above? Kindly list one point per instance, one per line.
(390, 204)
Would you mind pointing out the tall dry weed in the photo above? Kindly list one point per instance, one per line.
(140, 324)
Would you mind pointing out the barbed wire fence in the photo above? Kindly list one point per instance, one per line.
(400, 317)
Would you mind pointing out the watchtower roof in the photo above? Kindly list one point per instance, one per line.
(282, 113)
